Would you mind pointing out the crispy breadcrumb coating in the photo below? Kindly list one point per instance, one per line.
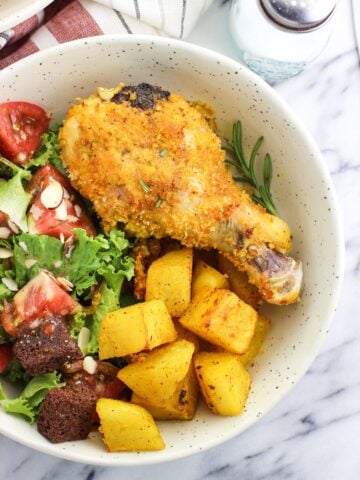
(160, 172)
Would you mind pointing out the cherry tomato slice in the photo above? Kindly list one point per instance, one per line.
(58, 210)
(5, 356)
(21, 127)
(38, 297)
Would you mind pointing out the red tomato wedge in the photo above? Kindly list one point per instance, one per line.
(56, 208)
(38, 297)
(21, 127)
(5, 356)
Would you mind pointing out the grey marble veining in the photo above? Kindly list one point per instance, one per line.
(314, 433)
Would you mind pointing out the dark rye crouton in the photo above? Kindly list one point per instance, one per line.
(66, 413)
(45, 345)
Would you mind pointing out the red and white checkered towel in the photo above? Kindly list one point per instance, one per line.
(65, 20)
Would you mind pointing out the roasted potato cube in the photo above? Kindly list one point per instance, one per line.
(132, 329)
(261, 330)
(127, 427)
(220, 317)
(181, 406)
(205, 276)
(239, 282)
(169, 279)
(160, 374)
(224, 382)
(183, 334)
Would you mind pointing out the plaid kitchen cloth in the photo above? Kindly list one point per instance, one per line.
(66, 20)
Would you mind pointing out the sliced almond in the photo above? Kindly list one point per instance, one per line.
(10, 284)
(5, 253)
(21, 157)
(83, 338)
(61, 212)
(89, 365)
(23, 246)
(30, 262)
(65, 283)
(13, 227)
(52, 195)
(35, 212)
(4, 233)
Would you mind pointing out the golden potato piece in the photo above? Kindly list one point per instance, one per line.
(261, 330)
(127, 427)
(136, 328)
(239, 282)
(181, 406)
(205, 276)
(184, 334)
(224, 382)
(159, 375)
(169, 279)
(220, 317)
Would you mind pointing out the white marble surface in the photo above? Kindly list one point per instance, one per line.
(314, 433)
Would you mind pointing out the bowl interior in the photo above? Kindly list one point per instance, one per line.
(302, 190)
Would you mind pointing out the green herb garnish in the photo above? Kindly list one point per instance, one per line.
(246, 169)
(163, 152)
(159, 202)
(144, 186)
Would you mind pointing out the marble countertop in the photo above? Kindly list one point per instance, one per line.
(314, 433)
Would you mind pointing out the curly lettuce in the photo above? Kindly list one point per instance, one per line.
(89, 261)
(27, 404)
(49, 151)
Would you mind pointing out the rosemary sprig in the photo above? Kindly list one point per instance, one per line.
(246, 170)
(144, 186)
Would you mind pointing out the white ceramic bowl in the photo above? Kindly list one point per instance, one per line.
(302, 189)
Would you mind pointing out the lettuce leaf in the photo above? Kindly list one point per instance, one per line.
(77, 322)
(19, 406)
(9, 169)
(46, 251)
(109, 301)
(4, 337)
(15, 373)
(27, 404)
(14, 200)
(91, 259)
(2, 393)
(49, 151)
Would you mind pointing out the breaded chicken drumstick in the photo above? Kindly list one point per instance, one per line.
(149, 160)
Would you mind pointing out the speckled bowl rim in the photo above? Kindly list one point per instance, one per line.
(166, 456)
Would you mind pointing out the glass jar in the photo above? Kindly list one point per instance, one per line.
(279, 38)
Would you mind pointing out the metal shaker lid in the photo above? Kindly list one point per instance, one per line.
(299, 14)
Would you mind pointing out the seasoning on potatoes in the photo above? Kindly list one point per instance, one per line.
(224, 382)
(180, 406)
(169, 279)
(127, 427)
(158, 376)
(220, 317)
(129, 330)
(207, 277)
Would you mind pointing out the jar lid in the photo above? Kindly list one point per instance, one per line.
(299, 14)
